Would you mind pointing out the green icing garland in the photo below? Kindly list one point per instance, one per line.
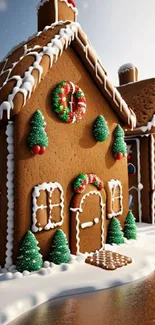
(119, 145)
(83, 179)
(38, 137)
(29, 257)
(100, 129)
(115, 235)
(60, 251)
(130, 229)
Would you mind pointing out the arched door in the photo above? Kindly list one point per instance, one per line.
(87, 220)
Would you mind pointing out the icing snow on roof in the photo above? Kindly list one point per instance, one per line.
(126, 67)
(41, 3)
(26, 83)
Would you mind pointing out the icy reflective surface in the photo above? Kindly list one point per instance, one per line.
(129, 304)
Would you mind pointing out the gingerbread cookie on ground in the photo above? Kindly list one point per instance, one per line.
(108, 260)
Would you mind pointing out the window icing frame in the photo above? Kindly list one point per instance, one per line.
(49, 187)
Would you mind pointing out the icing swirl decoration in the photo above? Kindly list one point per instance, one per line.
(75, 109)
(84, 179)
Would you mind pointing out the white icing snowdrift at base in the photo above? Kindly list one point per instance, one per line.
(28, 291)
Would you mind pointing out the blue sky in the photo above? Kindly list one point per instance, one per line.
(121, 31)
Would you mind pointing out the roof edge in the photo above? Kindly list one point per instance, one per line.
(52, 51)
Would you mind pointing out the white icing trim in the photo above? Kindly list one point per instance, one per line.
(152, 144)
(148, 126)
(79, 209)
(152, 161)
(86, 224)
(139, 186)
(54, 49)
(10, 194)
(113, 184)
(49, 187)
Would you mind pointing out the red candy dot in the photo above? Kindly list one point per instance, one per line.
(35, 149)
(129, 157)
(71, 2)
(118, 155)
(42, 150)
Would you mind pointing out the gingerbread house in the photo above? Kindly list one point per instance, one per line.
(140, 95)
(36, 189)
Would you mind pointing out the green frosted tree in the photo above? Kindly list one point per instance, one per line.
(115, 235)
(38, 135)
(60, 252)
(119, 145)
(130, 229)
(100, 129)
(29, 257)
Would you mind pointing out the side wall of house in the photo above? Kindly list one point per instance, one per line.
(72, 148)
(3, 192)
(140, 182)
(145, 178)
(152, 178)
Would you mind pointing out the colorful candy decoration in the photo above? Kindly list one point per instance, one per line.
(84, 179)
(72, 3)
(119, 146)
(131, 169)
(38, 140)
(74, 110)
(100, 129)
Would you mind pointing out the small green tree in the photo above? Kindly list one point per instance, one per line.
(60, 251)
(100, 129)
(115, 235)
(29, 259)
(38, 135)
(119, 145)
(130, 229)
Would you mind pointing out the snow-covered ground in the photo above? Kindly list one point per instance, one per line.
(21, 293)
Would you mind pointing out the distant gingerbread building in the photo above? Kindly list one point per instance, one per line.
(57, 66)
(140, 96)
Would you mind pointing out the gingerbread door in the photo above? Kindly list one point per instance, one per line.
(87, 221)
(134, 174)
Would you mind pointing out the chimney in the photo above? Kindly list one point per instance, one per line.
(127, 73)
(52, 11)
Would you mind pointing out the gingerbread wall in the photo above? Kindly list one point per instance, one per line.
(72, 148)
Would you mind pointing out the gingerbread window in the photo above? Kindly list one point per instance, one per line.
(115, 199)
(48, 206)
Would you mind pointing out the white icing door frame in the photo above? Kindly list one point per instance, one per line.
(139, 187)
(88, 224)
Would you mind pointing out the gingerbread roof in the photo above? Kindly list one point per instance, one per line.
(141, 97)
(25, 67)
